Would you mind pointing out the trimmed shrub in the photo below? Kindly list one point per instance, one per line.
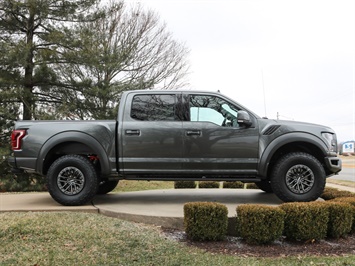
(340, 218)
(260, 224)
(330, 193)
(235, 184)
(306, 220)
(184, 184)
(205, 221)
(351, 201)
(252, 186)
(208, 184)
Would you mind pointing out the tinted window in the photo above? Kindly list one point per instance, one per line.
(153, 107)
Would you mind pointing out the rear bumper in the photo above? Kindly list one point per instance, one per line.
(12, 162)
(26, 165)
(333, 164)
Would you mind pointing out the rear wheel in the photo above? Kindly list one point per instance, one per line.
(72, 180)
(298, 176)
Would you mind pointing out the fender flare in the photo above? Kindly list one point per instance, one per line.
(286, 139)
(73, 136)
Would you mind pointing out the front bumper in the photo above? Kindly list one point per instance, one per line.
(333, 164)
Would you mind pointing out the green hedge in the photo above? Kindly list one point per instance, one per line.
(252, 186)
(208, 184)
(340, 218)
(351, 201)
(184, 184)
(205, 221)
(330, 193)
(231, 184)
(306, 220)
(260, 224)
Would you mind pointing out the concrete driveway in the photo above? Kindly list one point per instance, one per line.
(159, 207)
(165, 207)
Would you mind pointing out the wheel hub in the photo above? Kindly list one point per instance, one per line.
(300, 179)
(70, 181)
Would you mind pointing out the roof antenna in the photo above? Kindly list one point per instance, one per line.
(262, 79)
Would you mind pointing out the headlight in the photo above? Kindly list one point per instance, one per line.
(331, 140)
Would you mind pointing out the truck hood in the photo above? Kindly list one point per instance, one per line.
(269, 126)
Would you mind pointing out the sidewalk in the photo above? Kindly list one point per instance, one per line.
(41, 201)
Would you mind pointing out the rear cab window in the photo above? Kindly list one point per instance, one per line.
(154, 107)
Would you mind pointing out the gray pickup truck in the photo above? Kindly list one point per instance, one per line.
(176, 135)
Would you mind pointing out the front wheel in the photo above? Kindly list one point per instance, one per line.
(298, 176)
(72, 180)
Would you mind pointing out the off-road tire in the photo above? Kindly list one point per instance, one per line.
(107, 186)
(72, 180)
(298, 176)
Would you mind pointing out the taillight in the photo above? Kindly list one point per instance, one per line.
(16, 137)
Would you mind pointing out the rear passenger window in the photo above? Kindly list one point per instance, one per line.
(154, 107)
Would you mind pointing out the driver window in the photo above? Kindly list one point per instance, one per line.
(212, 109)
(203, 114)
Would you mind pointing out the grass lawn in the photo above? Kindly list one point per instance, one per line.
(133, 185)
(91, 239)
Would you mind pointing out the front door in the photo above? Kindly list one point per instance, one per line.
(214, 142)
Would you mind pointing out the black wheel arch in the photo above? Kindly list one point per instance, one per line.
(292, 142)
(71, 143)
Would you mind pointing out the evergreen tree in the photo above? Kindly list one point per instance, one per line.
(33, 34)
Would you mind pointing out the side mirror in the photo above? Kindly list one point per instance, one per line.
(243, 118)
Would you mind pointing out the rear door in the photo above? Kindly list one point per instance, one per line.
(214, 142)
(151, 134)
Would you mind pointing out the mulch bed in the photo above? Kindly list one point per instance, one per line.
(280, 248)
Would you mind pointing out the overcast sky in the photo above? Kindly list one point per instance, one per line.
(292, 58)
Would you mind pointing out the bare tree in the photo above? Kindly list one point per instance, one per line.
(127, 49)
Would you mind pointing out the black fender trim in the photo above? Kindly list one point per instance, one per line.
(286, 139)
(74, 136)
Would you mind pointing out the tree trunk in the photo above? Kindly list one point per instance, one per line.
(27, 97)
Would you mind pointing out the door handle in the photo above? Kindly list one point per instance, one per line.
(133, 132)
(193, 133)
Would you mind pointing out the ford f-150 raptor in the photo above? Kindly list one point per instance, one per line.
(176, 135)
